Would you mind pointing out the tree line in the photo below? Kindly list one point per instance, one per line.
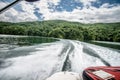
(64, 29)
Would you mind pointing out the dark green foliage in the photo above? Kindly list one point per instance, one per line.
(64, 29)
(116, 35)
(57, 32)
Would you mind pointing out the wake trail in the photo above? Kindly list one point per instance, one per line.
(46, 59)
(82, 55)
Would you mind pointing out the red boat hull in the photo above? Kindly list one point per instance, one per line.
(97, 73)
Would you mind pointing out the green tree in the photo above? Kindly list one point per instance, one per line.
(57, 33)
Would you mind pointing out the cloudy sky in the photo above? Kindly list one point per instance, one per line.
(85, 11)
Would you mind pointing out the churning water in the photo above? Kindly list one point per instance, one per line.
(37, 62)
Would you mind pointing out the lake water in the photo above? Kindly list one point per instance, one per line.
(27, 58)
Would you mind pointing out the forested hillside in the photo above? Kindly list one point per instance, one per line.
(64, 29)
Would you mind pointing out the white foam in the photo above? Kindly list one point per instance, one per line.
(110, 55)
(80, 60)
(48, 59)
(37, 66)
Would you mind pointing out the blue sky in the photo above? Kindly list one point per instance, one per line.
(85, 11)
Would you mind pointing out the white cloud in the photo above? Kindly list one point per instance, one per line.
(107, 5)
(3, 4)
(13, 15)
(91, 15)
(55, 2)
(86, 2)
(43, 6)
(86, 15)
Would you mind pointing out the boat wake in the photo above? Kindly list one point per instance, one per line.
(41, 61)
